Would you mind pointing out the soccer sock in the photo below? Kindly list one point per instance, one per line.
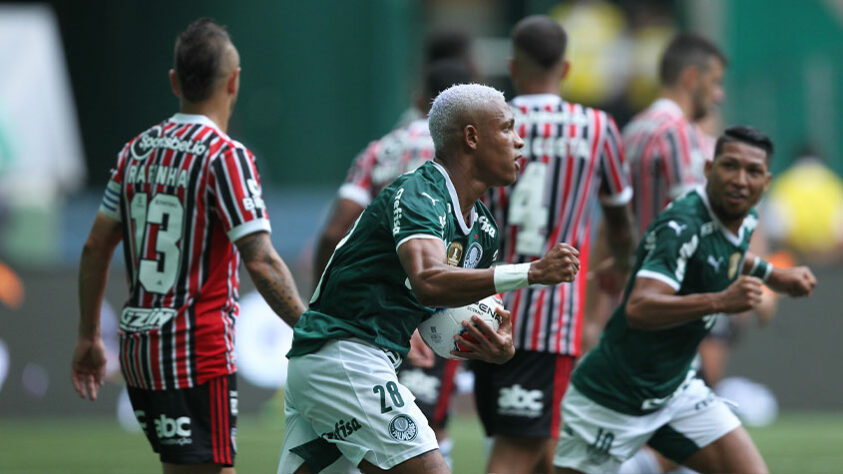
(644, 461)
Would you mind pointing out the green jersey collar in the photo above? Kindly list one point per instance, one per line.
(455, 202)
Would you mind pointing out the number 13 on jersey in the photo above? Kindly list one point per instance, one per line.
(528, 211)
(158, 275)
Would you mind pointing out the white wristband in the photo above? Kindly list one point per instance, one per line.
(511, 277)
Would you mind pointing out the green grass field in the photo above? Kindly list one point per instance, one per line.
(797, 443)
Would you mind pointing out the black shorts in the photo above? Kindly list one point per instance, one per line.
(193, 425)
(523, 396)
(432, 388)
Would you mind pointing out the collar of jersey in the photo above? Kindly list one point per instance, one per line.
(179, 117)
(668, 106)
(455, 202)
(730, 236)
(534, 99)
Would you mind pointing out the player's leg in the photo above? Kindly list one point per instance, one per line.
(430, 462)
(734, 452)
(596, 439)
(350, 397)
(521, 454)
(191, 429)
(208, 468)
(705, 435)
(518, 404)
(433, 388)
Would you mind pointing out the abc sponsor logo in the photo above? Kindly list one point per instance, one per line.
(173, 430)
(517, 401)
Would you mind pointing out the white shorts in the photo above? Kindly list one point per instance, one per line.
(596, 439)
(346, 399)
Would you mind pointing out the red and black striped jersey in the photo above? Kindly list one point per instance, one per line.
(572, 155)
(666, 155)
(184, 192)
(400, 151)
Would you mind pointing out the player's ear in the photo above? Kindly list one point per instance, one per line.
(512, 65)
(233, 82)
(174, 83)
(566, 68)
(689, 77)
(470, 136)
(708, 165)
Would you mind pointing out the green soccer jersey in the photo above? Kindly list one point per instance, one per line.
(636, 372)
(364, 292)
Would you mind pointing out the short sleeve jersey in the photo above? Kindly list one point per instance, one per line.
(401, 150)
(573, 156)
(184, 192)
(686, 247)
(364, 292)
(666, 155)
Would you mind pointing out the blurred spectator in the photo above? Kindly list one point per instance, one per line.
(805, 209)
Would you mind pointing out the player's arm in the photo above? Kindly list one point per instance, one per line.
(619, 235)
(346, 211)
(437, 284)
(88, 364)
(797, 281)
(271, 276)
(615, 195)
(653, 304)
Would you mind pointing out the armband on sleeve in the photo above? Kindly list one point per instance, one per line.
(761, 269)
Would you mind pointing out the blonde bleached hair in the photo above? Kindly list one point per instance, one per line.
(457, 106)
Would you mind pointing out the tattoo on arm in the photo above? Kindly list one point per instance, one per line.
(271, 276)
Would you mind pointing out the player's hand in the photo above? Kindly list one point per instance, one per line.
(420, 354)
(798, 281)
(88, 367)
(559, 264)
(480, 342)
(742, 295)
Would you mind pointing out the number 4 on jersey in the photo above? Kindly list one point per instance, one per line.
(527, 209)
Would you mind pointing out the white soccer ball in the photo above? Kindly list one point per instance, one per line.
(439, 329)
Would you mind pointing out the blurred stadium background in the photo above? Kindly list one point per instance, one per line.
(322, 78)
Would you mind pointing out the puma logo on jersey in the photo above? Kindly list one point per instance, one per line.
(677, 227)
(434, 201)
(715, 263)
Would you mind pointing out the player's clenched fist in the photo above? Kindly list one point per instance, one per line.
(561, 263)
(799, 281)
(742, 295)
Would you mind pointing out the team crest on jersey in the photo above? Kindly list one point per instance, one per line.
(454, 254)
(473, 255)
(403, 428)
(734, 261)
